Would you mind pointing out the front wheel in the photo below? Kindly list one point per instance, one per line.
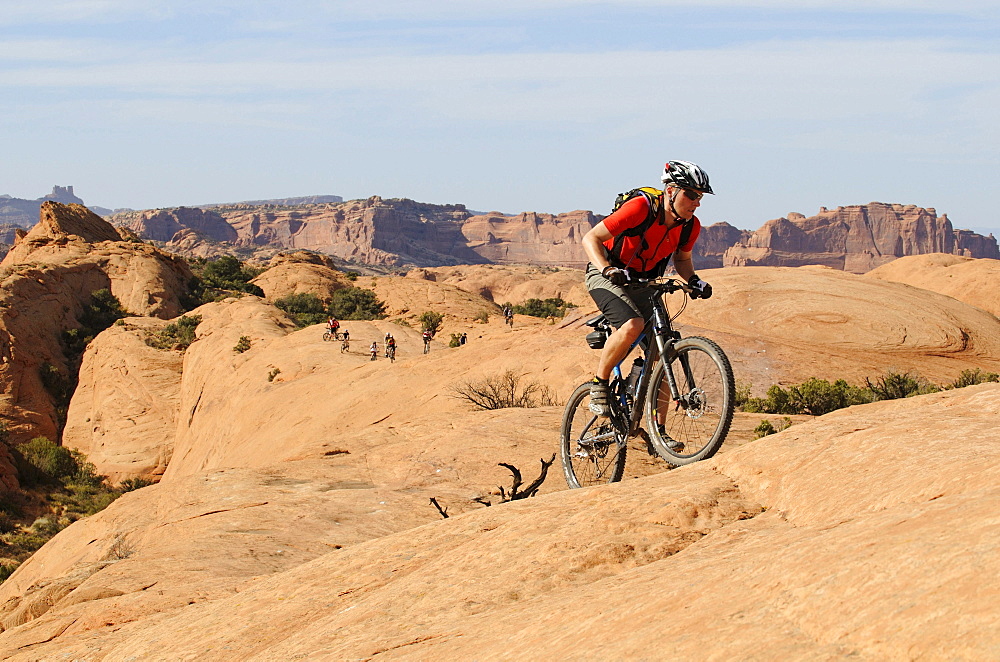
(692, 427)
(326, 336)
(591, 454)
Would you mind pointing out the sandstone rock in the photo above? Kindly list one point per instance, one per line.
(44, 283)
(301, 272)
(530, 238)
(164, 224)
(123, 414)
(966, 279)
(856, 238)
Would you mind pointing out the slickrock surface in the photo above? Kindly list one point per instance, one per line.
(293, 519)
(976, 282)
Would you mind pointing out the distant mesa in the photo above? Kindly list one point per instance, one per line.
(393, 234)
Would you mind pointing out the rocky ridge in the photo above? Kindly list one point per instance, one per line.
(45, 280)
(857, 238)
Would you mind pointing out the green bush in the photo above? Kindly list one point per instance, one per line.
(355, 303)
(814, 396)
(894, 385)
(176, 335)
(552, 307)
(132, 484)
(242, 345)
(221, 277)
(765, 427)
(351, 275)
(431, 321)
(456, 340)
(47, 461)
(973, 377)
(304, 308)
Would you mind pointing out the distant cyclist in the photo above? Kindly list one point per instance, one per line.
(637, 241)
(386, 342)
(390, 348)
(374, 350)
(508, 316)
(427, 335)
(345, 344)
(334, 325)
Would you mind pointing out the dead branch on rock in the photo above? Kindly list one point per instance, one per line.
(515, 493)
(443, 511)
(502, 391)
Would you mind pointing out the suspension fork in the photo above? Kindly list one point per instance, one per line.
(665, 338)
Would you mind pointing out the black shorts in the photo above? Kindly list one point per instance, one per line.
(617, 304)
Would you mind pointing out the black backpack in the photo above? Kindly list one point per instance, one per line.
(654, 198)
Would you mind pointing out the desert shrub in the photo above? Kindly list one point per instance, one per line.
(222, 277)
(894, 385)
(504, 390)
(355, 303)
(456, 340)
(242, 345)
(351, 275)
(765, 427)
(273, 373)
(814, 396)
(431, 321)
(483, 316)
(72, 487)
(132, 484)
(743, 389)
(552, 307)
(973, 377)
(45, 461)
(304, 308)
(176, 335)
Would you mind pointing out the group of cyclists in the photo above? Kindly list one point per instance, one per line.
(389, 342)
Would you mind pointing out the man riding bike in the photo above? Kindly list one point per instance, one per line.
(333, 325)
(637, 241)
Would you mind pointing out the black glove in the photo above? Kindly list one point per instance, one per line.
(699, 288)
(615, 275)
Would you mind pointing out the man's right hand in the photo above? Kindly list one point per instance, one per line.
(615, 275)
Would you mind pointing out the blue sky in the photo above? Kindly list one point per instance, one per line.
(547, 105)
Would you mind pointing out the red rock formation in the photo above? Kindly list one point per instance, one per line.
(856, 238)
(45, 281)
(530, 237)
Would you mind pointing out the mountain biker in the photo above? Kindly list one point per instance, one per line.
(615, 258)
(374, 350)
(390, 345)
(334, 325)
(427, 335)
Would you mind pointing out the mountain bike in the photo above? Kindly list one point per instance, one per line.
(390, 352)
(345, 345)
(335, 335)
(685, 387)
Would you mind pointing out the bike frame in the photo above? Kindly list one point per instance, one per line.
(661, 330)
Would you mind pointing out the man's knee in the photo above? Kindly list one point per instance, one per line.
(633, 328)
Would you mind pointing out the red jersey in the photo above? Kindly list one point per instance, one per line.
(644, 253)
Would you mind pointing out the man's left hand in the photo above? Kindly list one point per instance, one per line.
(699, 288)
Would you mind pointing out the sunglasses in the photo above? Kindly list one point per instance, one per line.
(692, 195)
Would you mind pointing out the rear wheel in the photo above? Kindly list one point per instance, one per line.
(589, 447)
(695, 425)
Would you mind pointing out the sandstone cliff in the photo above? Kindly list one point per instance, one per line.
(856, 238)
(45, 281)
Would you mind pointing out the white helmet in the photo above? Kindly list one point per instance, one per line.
(686, 175)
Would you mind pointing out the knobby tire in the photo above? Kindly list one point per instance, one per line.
(588, 447)
(708, 392)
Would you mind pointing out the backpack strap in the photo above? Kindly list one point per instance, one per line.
(654, 201)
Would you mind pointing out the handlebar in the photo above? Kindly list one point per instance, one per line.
(665, 285)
